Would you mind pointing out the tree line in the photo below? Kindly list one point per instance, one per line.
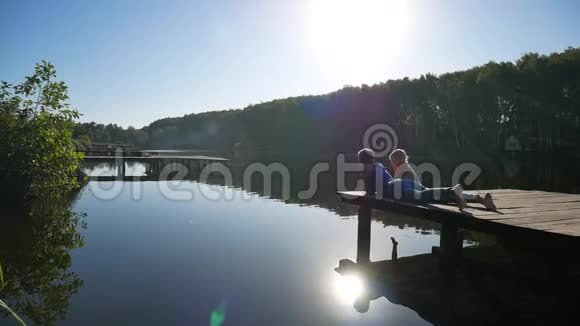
(535, 99)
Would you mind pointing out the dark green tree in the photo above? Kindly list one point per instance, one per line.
(36, 150)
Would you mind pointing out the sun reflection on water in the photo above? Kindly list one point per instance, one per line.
(348, 288)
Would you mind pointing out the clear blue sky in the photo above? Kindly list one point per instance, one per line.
(133, 61)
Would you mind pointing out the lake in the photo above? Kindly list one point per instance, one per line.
(171, 253)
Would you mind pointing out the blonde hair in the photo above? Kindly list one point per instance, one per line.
(399, 155)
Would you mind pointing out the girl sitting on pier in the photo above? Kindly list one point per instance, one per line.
(405, 187)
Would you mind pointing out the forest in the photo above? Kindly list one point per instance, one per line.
(535, 99)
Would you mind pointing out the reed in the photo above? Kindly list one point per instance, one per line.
(3, 284)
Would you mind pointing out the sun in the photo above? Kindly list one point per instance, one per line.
(357, 39)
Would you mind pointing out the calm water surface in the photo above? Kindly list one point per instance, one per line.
(146, 259)
(157, 261)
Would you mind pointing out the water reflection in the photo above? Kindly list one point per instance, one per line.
(324, 197)
(112, 168)
(492, 284)
(348, 288)
(35, 251)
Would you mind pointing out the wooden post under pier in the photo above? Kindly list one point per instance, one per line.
(364, 235)
(450, 245)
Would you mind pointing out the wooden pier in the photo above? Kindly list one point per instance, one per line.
(156, 157)
(190, 165)
(519, 212)
(532, 277)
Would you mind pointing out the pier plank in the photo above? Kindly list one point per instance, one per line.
(539, 211)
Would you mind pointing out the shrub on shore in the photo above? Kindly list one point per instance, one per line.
(36, 149)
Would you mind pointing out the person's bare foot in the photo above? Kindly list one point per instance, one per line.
(457, 192)
(487, 201)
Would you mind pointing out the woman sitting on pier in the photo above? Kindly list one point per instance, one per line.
(405, 187)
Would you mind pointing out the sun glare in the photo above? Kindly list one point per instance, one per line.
(356, 39)
(348, 288)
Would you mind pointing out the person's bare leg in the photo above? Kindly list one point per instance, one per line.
(472, 198)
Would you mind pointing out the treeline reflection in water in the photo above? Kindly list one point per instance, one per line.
(36, 240)
(523, 170)
(299, 181)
